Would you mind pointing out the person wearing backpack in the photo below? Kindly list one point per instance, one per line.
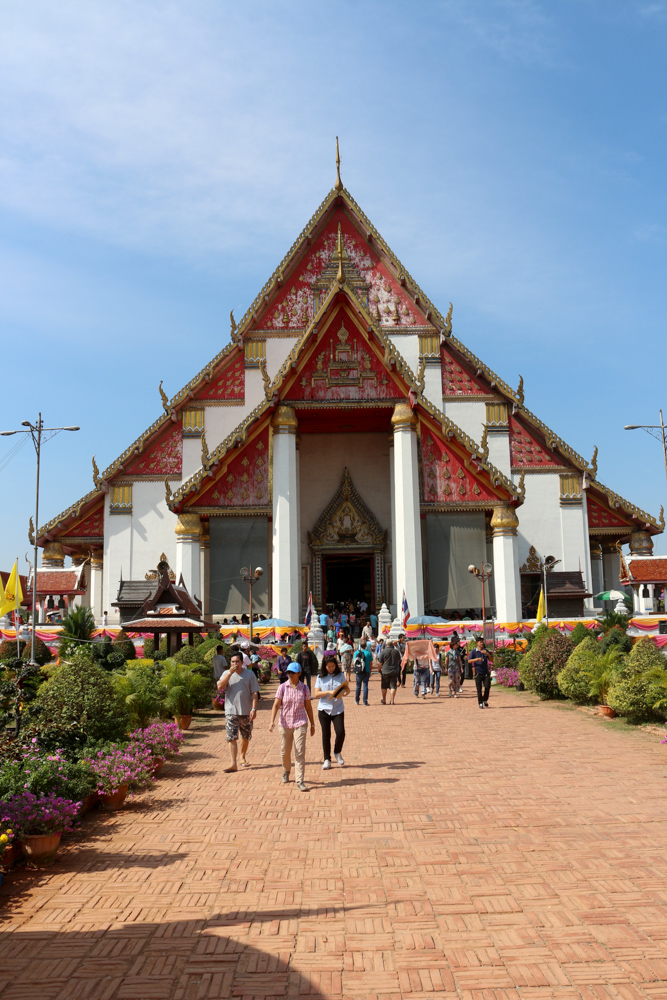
(362, 662)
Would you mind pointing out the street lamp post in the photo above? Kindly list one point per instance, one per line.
(483, 573)
(251, 579)
(650, 429)
(36, 431)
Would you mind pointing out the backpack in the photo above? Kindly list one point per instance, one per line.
(359, 662)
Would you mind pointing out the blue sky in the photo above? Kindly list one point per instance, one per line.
(158, 159)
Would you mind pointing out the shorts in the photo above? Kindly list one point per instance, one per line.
(388, 682)
(236, 724)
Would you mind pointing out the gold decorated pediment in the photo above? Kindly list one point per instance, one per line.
(347, 521)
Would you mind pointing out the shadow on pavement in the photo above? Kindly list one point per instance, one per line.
(188, 958)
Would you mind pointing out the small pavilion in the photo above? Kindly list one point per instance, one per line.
(170, 611)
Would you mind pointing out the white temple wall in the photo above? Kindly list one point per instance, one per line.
(408, 345)
(277, 351)
(469, 414)
(499, 451)
(433, 383)
(575, 547)
(191, 458)
(117, 557)
(152, 529)
(539, 517)
(322, 459)
(219, 421)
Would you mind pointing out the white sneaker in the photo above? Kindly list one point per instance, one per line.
(339, 759)
(327, 764)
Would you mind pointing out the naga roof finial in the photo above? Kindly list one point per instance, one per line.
(339, 255)
(338, 186)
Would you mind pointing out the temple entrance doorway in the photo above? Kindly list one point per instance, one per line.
(347, 578)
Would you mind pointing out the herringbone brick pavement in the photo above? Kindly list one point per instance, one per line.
(517, 853)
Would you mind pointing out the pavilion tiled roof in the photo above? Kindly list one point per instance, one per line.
(644, 570)
(59, 581)
(161, 623)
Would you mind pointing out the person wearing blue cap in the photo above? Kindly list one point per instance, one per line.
(296, 711)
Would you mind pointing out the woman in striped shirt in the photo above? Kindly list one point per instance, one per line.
(293, 703)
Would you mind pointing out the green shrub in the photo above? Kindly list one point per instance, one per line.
(525, 669)
(79, 697)
(159, 656)
(210, 653)
(43, 654)
(579, 633)
(644, 656)
(140, 690)
(197, 639)
(547, 659)
(149, 648)
(294, 650)
(123, 644)
(641, 698)
(573, 680)
(616, 638)
(8, 649)
(188, 655)
(108, 656)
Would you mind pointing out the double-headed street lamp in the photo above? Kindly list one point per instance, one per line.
(36, 431)
(651, 429)
(483, 573)
(251, 579)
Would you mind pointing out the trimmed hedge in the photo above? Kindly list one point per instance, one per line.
(123, 644)
(547, 661)
(573, 681)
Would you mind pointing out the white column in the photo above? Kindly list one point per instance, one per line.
(286, 570)
(611, 566)
(504, 524)
(188, 530)
(407, 540)
(391, 595)
(95, 586)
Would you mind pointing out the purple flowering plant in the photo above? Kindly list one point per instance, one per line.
(219, 699)
(28, 767)
(27, 814)
(162, 739)
(507, 676)
(130, 765)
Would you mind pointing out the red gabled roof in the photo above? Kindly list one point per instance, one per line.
(59, 581)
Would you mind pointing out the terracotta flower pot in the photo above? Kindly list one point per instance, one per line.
(88, 803)
(608, 712)
(41, 847)
(158, 764)
(216, 706)
(10, 855)
(114, 800)
(183, 721)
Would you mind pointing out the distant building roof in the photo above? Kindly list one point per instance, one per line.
(164, 623)
(60, 581)
(133, 593)
(647, 570)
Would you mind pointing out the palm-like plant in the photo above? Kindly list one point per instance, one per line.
(185, 689)
(602, 671)
(141, 692)
(78, 626)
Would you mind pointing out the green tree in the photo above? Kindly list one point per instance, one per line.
(79, 698)
(547, 659)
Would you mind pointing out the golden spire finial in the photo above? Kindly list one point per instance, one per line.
(339, 255)
(338, 186)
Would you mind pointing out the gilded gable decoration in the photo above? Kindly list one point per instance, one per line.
(532, 563)
(347, 522)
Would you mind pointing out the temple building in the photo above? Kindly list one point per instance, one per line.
(350, 444)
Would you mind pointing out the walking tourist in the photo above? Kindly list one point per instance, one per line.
(282, 663)
(454, 665)
(362, 663)
(219, 663)
(481, 663)
(436, 669)
(345, 651)
(331, 711)
(421, 669)
(308, 663)
(296, 712)
(390, 672)
(241, 689)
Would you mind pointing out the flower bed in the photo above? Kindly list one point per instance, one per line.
(507, 676)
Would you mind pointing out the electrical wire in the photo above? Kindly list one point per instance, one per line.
(13, 452)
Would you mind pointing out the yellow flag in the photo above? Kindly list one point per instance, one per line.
(2, 594)
(13, 593)
(540, 607)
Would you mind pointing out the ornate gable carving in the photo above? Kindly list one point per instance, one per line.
(164, 457)
(347, 522)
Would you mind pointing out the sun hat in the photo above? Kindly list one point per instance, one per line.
(294, 668)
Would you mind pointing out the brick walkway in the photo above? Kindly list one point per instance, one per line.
(514, 853)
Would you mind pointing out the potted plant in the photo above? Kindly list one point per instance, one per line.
(162, 740)
(602, 671)
(6, 847)
(218, 701)
(119, 770)
(184, 690)
(39, 822)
